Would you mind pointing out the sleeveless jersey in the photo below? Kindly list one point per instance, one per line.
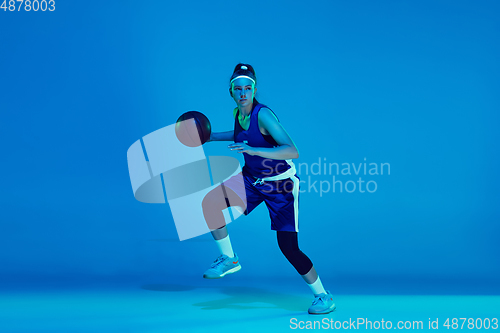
(258, 166)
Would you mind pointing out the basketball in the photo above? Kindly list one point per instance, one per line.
(193, 129)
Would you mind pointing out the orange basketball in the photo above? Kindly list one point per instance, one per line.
(193, 128)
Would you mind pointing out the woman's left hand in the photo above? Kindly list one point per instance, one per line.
(241, 147)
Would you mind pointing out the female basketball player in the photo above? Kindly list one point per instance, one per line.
(268, 175)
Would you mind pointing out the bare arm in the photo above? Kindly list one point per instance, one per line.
(222, 136)
(286, 148)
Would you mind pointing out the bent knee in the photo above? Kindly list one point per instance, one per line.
(291, 253)
(214, 199)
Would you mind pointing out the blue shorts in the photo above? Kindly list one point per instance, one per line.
(281, 198)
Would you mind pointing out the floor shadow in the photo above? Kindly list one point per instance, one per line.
(167, 287)
(243, 298)
(240, 297)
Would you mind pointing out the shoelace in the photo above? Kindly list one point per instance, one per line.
(258, 181)
(218, 261)
(320, 299)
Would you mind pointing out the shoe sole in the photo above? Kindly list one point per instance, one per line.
(232, 270)
(325, 312)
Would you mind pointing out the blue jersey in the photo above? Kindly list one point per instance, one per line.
(258, 166)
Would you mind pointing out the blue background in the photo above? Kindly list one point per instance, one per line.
(412, 84)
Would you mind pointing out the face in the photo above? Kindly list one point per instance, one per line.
(243, 91)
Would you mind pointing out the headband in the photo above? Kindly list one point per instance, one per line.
(248, 77)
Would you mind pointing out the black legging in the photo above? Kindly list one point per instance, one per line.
(289, 245)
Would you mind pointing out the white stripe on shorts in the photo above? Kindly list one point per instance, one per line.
(295, 191)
